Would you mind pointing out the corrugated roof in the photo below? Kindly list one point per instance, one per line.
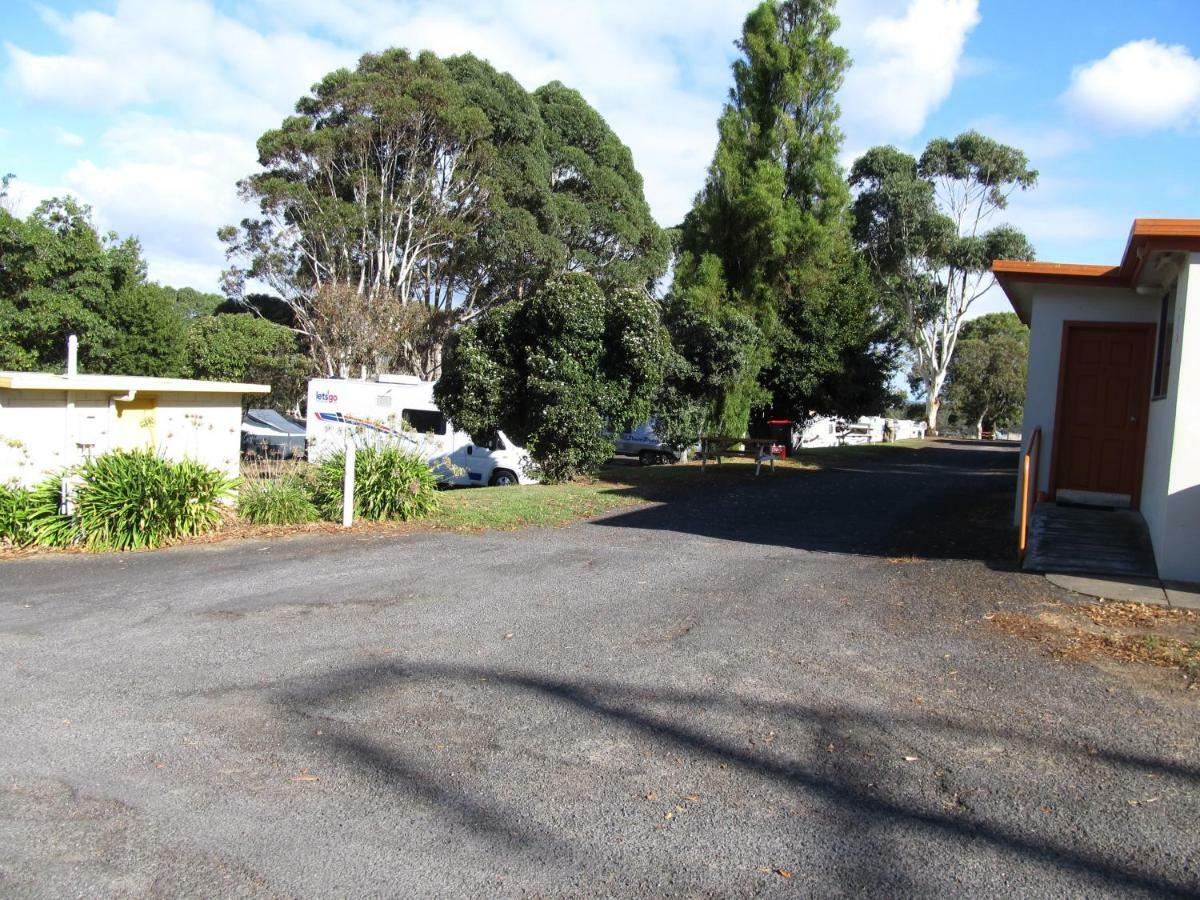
(123, 384)
(271, 419)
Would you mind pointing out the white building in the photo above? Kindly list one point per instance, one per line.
(49, 422)
(1114, 384)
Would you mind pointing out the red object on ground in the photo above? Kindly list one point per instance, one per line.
(781, 431)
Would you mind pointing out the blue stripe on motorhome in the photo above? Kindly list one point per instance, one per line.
(475, 476)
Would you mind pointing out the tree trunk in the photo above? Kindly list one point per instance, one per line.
(979, 429)
(933, 405)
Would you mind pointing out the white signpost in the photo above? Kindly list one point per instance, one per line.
(348, 486)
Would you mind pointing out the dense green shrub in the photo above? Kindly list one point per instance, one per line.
(389, 483)
(33, 516)
(558, 371)
(277, 501)
(130, 500)
(16, 509)
(14, 515)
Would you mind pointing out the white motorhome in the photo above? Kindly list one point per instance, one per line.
(400, 408)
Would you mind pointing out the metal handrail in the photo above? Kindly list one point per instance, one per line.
(1032, 455)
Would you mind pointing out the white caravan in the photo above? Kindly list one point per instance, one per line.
(400, 408)
(906, 429)
(820, 431)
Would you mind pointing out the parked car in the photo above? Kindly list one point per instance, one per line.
(643, 443)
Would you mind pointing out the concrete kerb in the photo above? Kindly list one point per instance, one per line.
(1131, 590)
(1182, 596)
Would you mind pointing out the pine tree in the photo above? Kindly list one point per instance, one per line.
(773, 211)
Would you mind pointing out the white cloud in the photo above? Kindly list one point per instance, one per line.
(172, 187)
(1040, 143)
(24, 196)
(181, 272)
(187, 87)
(1140, 85)
(185, 54)
(68, 138)
(905, 63)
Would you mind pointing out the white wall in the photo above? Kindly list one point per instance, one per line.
(1171, 489)
(203, 427)
(33, 430)
(1051, 307)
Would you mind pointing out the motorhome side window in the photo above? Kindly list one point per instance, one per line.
(425, 421)
(1166, 336)
(488, 440)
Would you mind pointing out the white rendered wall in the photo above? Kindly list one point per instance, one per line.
(33, 432)
(1172, 509)
(34, 440)
(203, 427)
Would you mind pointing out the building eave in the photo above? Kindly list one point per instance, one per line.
(123, 384)
(1147, 236)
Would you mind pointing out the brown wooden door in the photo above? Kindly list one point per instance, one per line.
(1103, 406)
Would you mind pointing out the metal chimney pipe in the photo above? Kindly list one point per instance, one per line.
(72, 355)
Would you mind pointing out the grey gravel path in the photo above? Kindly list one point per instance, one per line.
(785, 690)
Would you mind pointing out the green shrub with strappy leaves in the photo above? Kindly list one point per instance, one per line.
(31, 516)
(389, 484)
(132, 500)
(277, 501)
(45, 524)
(14, 515)
(124, 500)
(24, 511)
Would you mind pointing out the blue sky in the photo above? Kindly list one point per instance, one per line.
(148, 109)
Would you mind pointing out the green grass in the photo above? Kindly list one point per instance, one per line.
(618, 486)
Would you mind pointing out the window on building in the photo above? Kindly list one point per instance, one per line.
(1162, 354)
(425, 421)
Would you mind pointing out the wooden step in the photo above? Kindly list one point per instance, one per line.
(1078, 540)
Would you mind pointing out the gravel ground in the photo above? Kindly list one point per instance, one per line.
(785, 689)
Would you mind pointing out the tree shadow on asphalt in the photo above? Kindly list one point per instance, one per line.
(936, 502)
(851, 783)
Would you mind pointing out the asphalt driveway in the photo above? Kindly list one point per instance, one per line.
(786, 689)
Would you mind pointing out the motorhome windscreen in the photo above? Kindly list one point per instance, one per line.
(425, 421)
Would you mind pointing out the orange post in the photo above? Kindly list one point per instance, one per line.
(1030, 464)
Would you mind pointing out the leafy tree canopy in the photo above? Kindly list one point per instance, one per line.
(987, 378)
(713, 347)
(190, 303)
(440, 185)
(59, 276)
(247, 348)
(927, 229)
(557, 371)
(773, 213)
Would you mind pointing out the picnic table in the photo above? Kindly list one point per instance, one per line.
(712, 445)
